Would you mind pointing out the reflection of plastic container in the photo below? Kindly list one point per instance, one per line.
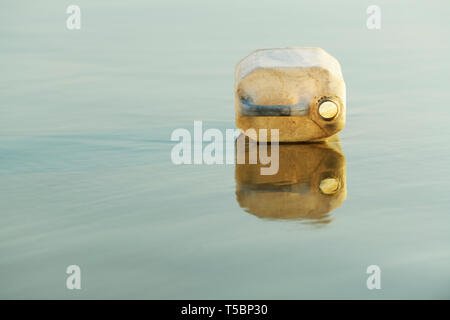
(310, 183)
(299, 91)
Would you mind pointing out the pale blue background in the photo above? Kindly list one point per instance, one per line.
(86, 176)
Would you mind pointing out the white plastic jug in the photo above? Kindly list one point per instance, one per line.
(299, 91)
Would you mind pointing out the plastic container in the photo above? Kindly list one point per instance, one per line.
(299, 91)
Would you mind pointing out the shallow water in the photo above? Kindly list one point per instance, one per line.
(86, 177)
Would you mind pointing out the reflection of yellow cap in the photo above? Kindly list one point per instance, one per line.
(309, 184)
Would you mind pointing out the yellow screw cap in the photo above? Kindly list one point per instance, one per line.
(328, 110)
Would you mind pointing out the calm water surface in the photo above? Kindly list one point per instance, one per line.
(86, 176)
